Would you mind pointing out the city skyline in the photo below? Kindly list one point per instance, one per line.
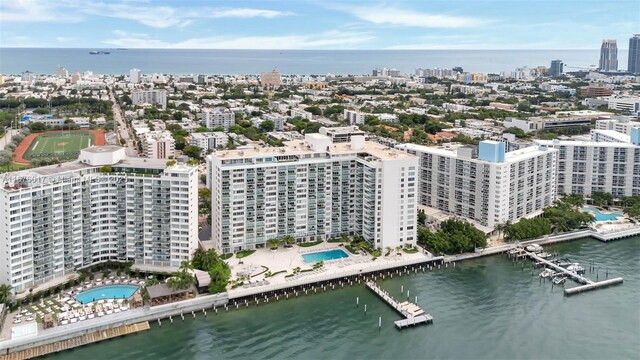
(487, 24)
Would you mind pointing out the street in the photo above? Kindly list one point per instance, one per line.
(122, 131)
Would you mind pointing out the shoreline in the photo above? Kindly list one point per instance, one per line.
(275, 291)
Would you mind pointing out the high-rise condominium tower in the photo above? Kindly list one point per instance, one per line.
(609, 55)
(634, 54)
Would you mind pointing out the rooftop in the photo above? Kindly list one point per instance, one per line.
(451, 150)
(298, 147)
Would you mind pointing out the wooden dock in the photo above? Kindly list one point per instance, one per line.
(412, 313)
(587, 284)
(76, 341)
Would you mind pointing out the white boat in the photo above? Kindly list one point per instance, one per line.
(544, 255)
(547, 273)
(534, 248)
(577, 268)
(559, 280)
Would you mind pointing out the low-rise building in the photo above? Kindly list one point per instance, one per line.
(158, 144)
(218, 117)
(209, 140)
(341, 134)
(153, 97)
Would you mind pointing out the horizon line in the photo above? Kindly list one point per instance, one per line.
(276, 49)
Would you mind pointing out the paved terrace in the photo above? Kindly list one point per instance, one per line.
(286, 259)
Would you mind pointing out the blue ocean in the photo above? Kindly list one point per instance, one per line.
(309, 62)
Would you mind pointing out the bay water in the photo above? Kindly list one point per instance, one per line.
(485, 308)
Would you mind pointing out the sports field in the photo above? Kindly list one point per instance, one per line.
(62, 145)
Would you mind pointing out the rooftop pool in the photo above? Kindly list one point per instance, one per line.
(324, 255)
(107, 292)
(600, 216)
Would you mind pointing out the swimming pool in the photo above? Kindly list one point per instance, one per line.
(107, 292)
(324, 255)
(600, 216)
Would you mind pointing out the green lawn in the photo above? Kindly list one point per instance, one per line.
(12, 167)
(64, 146)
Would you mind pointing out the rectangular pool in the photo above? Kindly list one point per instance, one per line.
(324, 255)
(600, 216)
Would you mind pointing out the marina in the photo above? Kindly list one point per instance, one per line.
(561, 270)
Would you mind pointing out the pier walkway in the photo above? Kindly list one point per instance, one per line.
(579, 278)
(413, 314)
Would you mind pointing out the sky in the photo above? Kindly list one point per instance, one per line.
(318, 24)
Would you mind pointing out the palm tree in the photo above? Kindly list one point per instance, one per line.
(289, 240)
(273, 244)
(398, 249)
(5, 293)
(388, 250)
(500, 228)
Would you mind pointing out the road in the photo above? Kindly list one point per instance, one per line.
(123, 130)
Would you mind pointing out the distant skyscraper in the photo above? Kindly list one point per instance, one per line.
(556, 68)
(61, 72)
(634, 54)
(609, 55)
(134, 76)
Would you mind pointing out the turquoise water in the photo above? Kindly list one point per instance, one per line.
(600, 216)
(486, 308)
(324, 255)
(107, 292)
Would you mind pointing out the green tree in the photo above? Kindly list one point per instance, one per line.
(41, 111)
(37, 127)
(267, 126)
(193, 151)
(601, 199)
(106, 169)
(5, 293)
(633, 212)
(289, 240)
(273, 244)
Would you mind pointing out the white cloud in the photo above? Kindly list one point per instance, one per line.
(333, 39)
(248, 13)
(65, 38)
(386, 15)
(36, 11)
(68, 11)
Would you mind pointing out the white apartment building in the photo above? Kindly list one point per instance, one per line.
(313, 190)
(209, 140)
(218, 117)
(278, 121)
(61, 218)
(585, 167)
(153, 97)
(485, 183)
(621, 125)
(341, 134)
(134, 76)
(609, 136)
(354, 117)
(301, 113)
(158, 144)
(630, 104)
